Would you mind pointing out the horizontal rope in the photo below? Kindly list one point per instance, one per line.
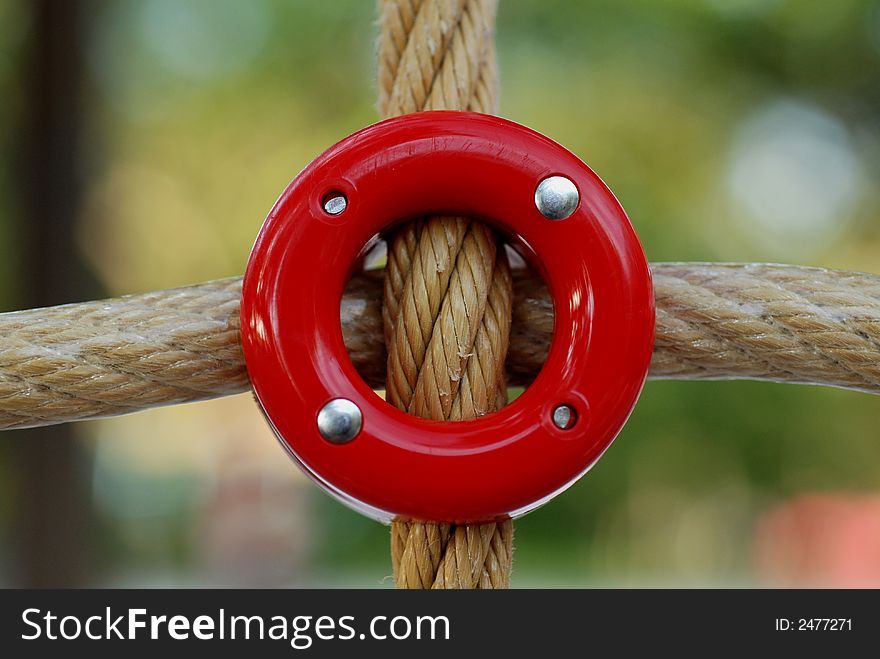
(714, 322)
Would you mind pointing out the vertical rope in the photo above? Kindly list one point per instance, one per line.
(448, 295)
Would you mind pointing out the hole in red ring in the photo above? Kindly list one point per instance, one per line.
(531, 330)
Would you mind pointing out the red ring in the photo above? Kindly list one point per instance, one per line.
(500, 465)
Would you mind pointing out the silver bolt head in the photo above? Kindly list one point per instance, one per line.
(340, 421)
(564, 417)
(556, 197)
(335, 204)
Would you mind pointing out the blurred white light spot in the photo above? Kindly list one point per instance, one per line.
(145, 55)
(793, 172)
(204, 38)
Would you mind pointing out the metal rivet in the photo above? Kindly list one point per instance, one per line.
(564, 417)
(335, 203)
(556, 197)
(339, 421)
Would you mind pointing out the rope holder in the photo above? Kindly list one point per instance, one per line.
(558, 214)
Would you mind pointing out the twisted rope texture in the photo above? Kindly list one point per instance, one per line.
(715, 321)
(117, 356)
(447, 294)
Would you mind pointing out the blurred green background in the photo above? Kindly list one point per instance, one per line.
(142, 143)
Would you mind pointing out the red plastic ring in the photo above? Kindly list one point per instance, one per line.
(500, 465)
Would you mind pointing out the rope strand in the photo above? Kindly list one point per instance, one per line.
(782, 323)
(447, 287)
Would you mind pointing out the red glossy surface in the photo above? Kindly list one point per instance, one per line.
(483, 167)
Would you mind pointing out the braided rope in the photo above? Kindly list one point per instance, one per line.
(447, 288)
(117, 356)
(781, 323)
(771, 322)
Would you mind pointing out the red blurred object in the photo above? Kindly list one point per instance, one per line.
(821, 540)
(454, 163)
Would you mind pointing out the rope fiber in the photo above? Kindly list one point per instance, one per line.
(715, 321)
(447, 293)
